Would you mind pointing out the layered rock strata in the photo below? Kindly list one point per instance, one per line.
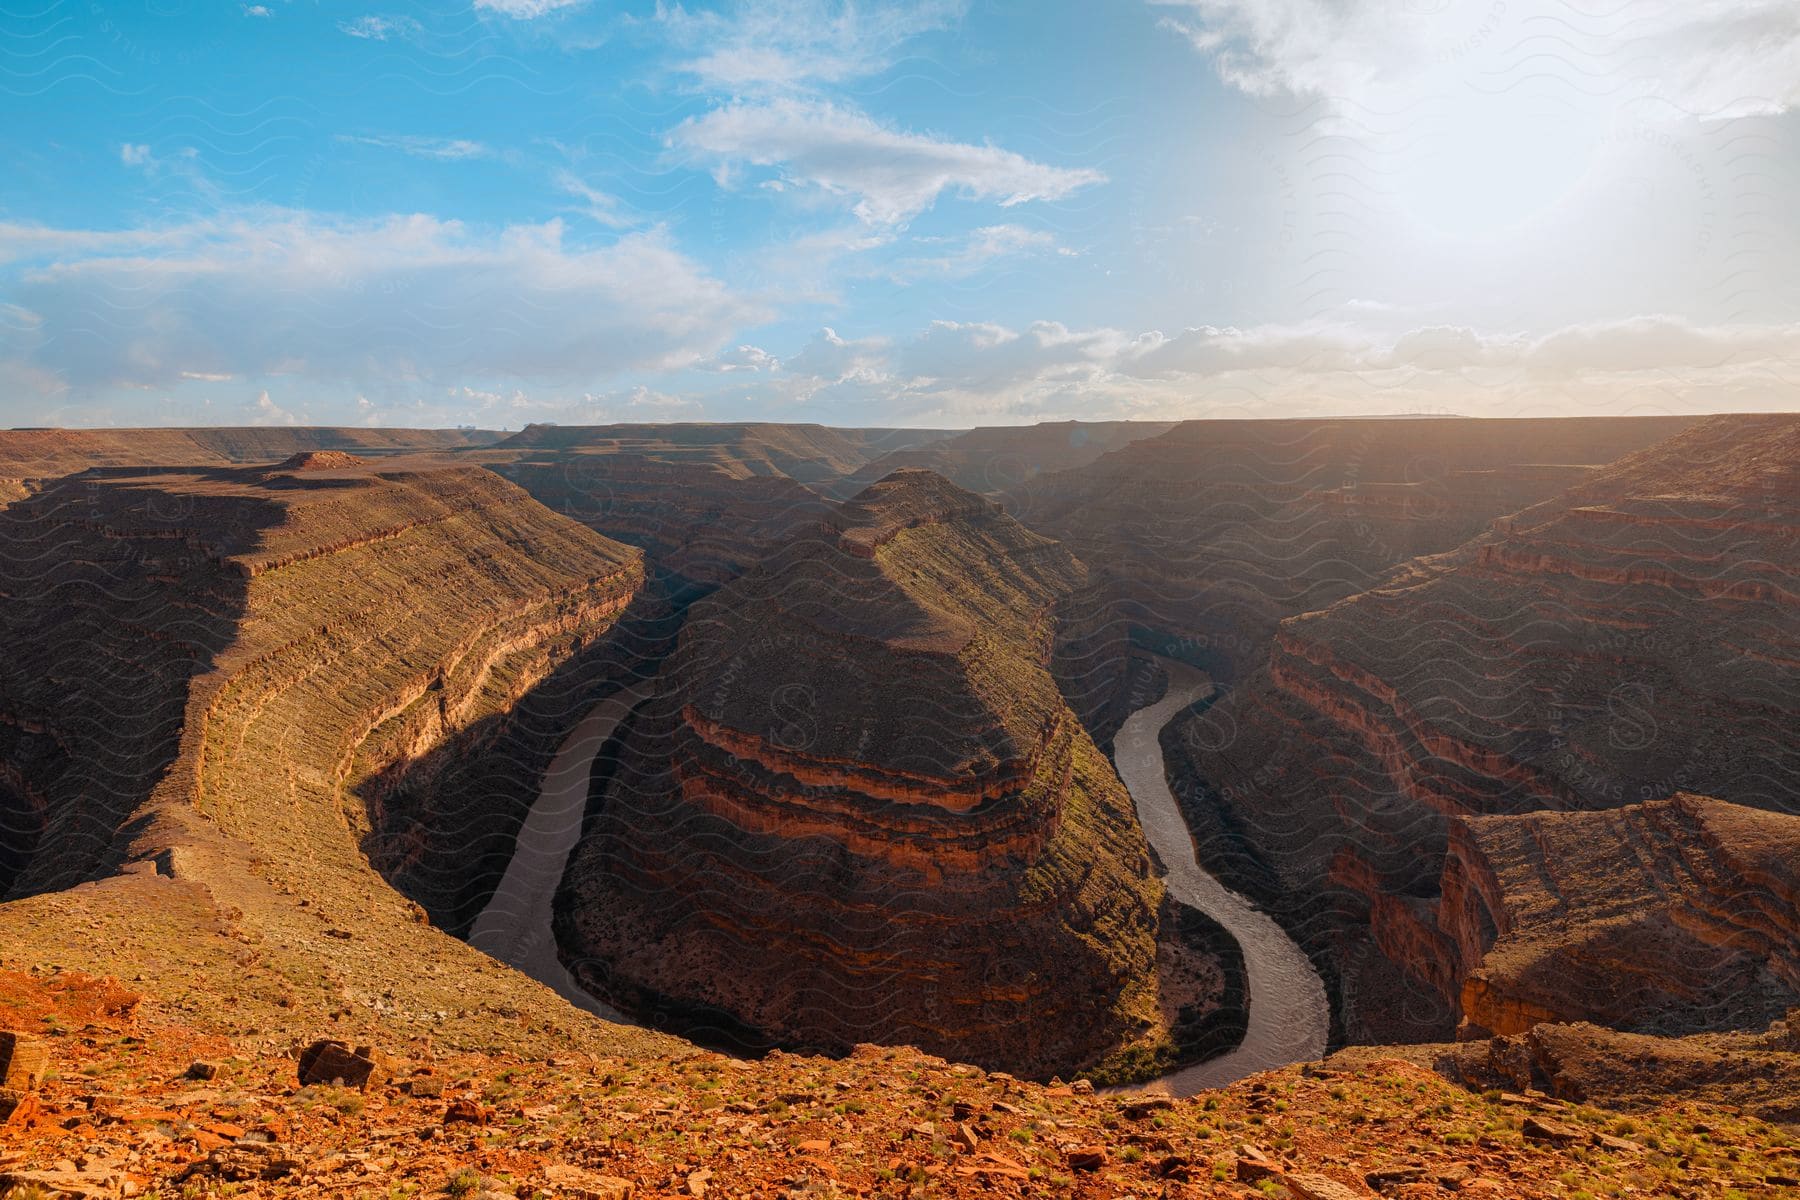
(1662, 917)
(1204, 538)
(859, 809)
(1632, 637)
(233, 650)
(703, 521)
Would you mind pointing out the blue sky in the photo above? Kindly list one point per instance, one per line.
(926, 212)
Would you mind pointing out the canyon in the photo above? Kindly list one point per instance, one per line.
(1627, 639)
(895, 757)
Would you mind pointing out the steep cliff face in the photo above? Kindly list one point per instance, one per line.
(1663, 917)
(205, 668)
(1630, 638)
(215, 691)
(859, 809)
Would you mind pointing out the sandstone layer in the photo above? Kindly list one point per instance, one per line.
(206, 670)
(860, 810)
(1661, 917)
(1629, 638)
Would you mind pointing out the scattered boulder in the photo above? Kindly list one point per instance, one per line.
(1175, 1167)
(201, 1069)
(1254, 1165)
(1536, 1129)
(60, 1184)
(17, 1109)
(465, 1110)
(578, 1184)
(1320, 1187)
(1392, 1177)
(241, 1163)
(425, 1087)
(23, 1060)
(1139, 1107)
(1087, 1158)
(331, 1061)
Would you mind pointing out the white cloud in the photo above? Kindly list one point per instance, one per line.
(265, 411)
(741, 358)
(379, 28)
(401, 298)
(525, 10)
(421, 146)
(830, 357)
(783, 44)
(1662, 343)
(134, 154)
(975, 251)
(1206, 350)
(1717, 58)
(888, 174)
(257, 10)
(952, 373)
(600, 206)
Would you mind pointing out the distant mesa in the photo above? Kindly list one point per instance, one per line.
(320, 460)
(993, 460)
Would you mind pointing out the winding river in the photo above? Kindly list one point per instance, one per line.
(1289, 1015)
(515, 926)
(1288, 1012)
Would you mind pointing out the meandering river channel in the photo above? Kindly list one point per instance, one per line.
(1289, 1016)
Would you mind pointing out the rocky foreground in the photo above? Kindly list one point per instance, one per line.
(140, 1098)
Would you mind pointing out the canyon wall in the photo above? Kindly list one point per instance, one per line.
(1631, 637)
(208, 668)
(1662, 917)
(858, 809)
(1201, 540)
(166, 620)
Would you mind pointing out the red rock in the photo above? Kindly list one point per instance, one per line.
(466, 1110)
(1311, 1186)
(1086, 1158)
(23, 1061)
(18, 1110)
(932, 757)
(1537, 1129)
(330, 1061)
